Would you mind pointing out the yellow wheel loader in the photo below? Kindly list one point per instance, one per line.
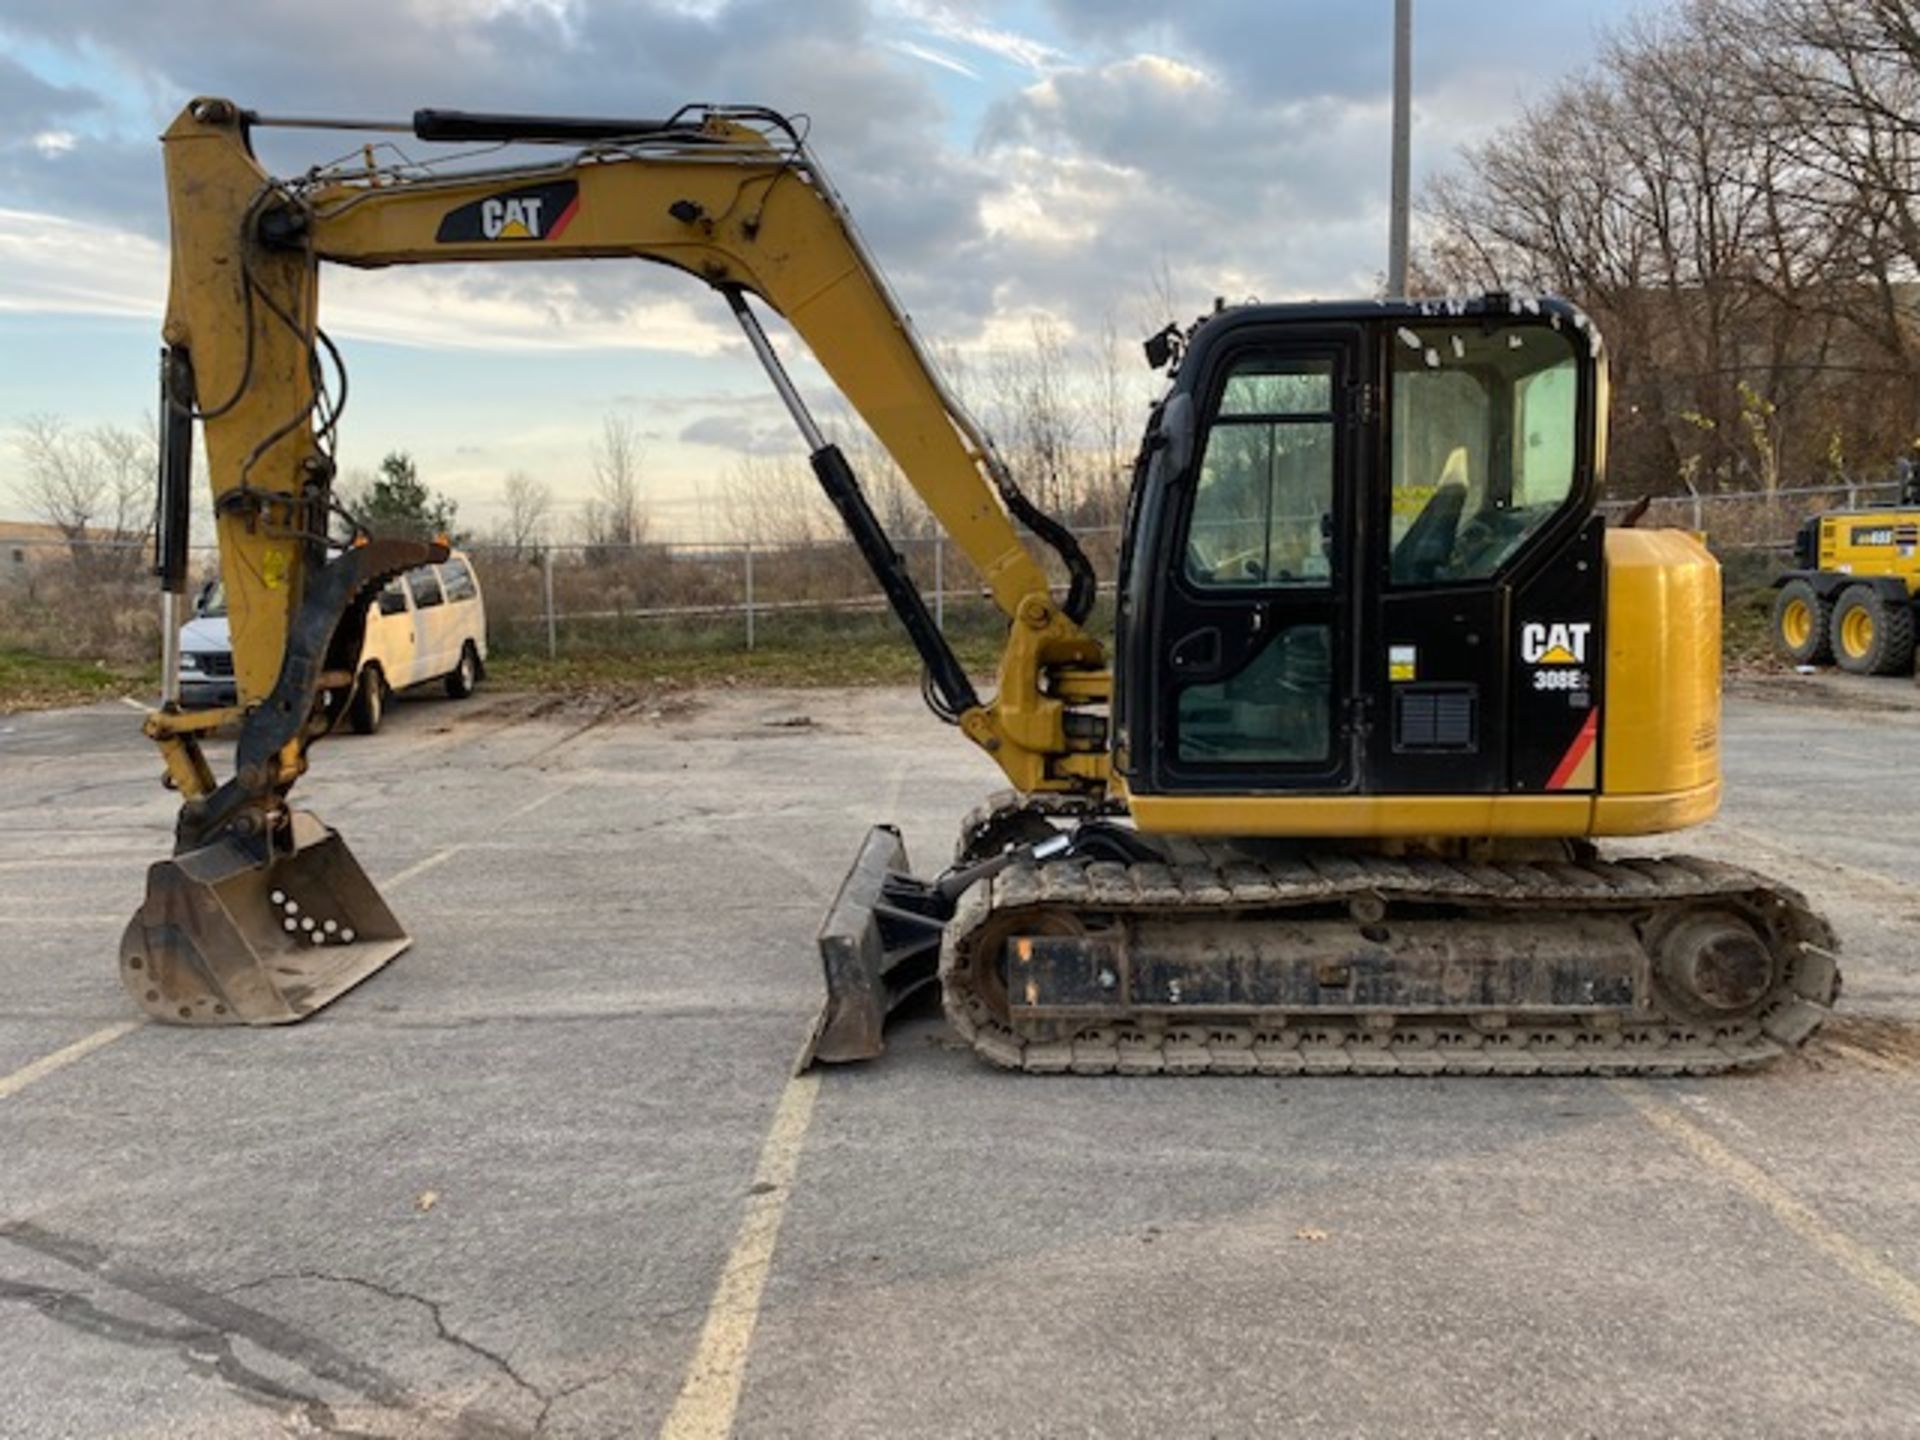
(1379, 678)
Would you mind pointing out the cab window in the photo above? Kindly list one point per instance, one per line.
(1485, 433)
(393, 600)
(1276, 710)
(1263, 503)
(425, 586)
(457, 579)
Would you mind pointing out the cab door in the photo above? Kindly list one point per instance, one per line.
(1255, 634)
(1483, 674)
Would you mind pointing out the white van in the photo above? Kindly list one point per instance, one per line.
(428, 624)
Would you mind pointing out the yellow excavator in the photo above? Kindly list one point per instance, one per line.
(1379, 674)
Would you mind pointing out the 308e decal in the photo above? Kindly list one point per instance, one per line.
(1558, 653)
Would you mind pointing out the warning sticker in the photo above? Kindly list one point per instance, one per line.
(1403, 662)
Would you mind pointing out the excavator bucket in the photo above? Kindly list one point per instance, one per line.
(223, 939)
(879, 946)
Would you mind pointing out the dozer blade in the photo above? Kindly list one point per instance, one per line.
(226, 940)
(879, 946)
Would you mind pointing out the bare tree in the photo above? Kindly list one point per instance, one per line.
(95, 486)
(615, 517)
(1114, 424)
(1831, 92)
(1036, 417)
(528, 502)
(1667, 192)
(768, 500)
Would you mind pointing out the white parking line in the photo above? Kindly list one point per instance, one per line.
(710, 1394)
(39, 1070)
(139, 705)
(421, 867)
(538, 800)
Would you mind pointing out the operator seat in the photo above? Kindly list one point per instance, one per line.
(1428, 544)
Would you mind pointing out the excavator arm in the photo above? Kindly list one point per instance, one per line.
(732, 197)
(742, 206)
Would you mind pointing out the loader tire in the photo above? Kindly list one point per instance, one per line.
(1872, 636)
(1803, 624)
(369, 705)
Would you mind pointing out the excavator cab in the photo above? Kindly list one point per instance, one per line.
(1347, 519)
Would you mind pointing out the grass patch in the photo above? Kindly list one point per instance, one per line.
(40, 682)
(796, 648)
(1747, 610)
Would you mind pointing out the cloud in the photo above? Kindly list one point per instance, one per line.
(1244, 148)
(872, 107)
(53, 264)
(1007, 159)
(1151, 165)
(66, 266)
(952, 24)
(30, 105)
(737, 432)
(937, 58)
(1343, 48)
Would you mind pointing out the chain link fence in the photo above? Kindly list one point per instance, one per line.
(1753, 522)
(95, 598)
(569, 598)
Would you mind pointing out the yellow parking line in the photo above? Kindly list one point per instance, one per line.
(1786, 1207)
(710, 1394)
(1901, 889)
(39, 1070)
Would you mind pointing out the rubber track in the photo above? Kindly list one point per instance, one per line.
(1332, 1042)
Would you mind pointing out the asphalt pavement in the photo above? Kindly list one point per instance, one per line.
(548, 1173)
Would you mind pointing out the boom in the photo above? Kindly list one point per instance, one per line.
(732, 197)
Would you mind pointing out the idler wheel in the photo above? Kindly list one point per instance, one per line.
(1715, 962)
(987, 967)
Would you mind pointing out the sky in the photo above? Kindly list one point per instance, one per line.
(1008, 161)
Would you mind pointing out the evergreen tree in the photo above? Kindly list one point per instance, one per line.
(399, 502)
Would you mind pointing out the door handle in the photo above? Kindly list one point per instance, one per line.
(1197, 651)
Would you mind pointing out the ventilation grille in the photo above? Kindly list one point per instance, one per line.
(1443, 718)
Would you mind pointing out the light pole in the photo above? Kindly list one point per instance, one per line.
(1402, 146)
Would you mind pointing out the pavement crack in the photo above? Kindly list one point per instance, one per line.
(566, 1392)
(206, 1350)
(436, 1311)
(214, 1323)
